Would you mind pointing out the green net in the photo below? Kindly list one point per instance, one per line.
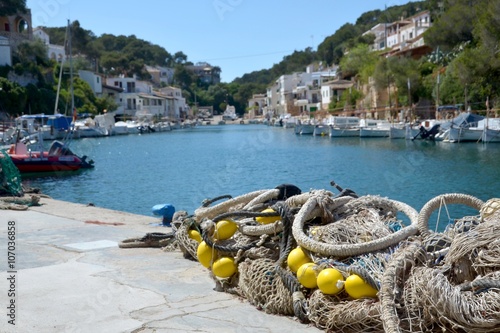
(10, 178)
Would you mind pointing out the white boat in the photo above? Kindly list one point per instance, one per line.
(120, 128)
(491, 130)
(106, 122)
(163, 126)
(290, 122)
(87, 128)
(405, 131)
(344, 132)
(321, 130)
(343, 126)
(461, 134)
(490, 135)
(304, 126)
(466, 127)
(374, 128)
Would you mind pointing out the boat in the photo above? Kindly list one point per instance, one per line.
(466, 127)
(321, 130)
(403, 131)
(305, 127)
(491, 130)
(343, 126)
(59, 158)
(370, 128)
(87, 128)
(29, 156)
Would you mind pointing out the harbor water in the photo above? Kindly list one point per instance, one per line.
(183, 167)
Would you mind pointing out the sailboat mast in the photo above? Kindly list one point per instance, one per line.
(60, 73)
(71, 71)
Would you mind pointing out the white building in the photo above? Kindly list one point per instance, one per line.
(137, 98)
(176, 104)
(55, 52)
(401, 34)
(94, 81)
(161, 75)
(298, 92)
(333, 90)
(257, 105)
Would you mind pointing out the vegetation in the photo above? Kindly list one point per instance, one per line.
(10, 7)
(463, 68)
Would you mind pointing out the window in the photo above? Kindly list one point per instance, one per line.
(130, 87)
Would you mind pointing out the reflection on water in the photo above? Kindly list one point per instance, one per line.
(133, 173)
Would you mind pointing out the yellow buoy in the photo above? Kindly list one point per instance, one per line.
(225, 229)
(194, 234)
(356, 287)
(205, 254)
(268, 219)
(306, 274)
(328, 281)
(224, 267)
(297, 258)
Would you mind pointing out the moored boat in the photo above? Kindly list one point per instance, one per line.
(59, 158)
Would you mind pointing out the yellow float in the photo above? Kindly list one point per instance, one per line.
(328, 281)
(307, 275)
(194, 234)
(224, 267)
(225, 229)
(356, 287)
(205, 254)
(267, 219)
(297, 258)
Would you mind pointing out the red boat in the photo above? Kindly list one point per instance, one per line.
(59, 158)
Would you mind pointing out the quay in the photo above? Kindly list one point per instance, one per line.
(71, 276)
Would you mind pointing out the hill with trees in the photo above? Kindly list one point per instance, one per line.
(464, 37)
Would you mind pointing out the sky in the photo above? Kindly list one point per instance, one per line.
(239, 36)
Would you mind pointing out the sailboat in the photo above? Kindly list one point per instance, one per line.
(29, 158)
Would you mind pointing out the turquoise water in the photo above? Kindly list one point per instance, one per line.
(135, 172)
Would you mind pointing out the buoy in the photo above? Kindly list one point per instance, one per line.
(306, 274)
(328, 281)
(297, 258)
(267, 219)
(205, 254)
(225, 229)
(194, 234)
(224, 267)
(356, 287)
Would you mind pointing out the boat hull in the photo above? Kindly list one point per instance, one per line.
(373, 133)
(490, 135)
(35, 163)
(463, 135)
(344, 132)
(321, 130)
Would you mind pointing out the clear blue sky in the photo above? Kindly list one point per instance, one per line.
(239, 36)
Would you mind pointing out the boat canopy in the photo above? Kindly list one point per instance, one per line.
(464, 119)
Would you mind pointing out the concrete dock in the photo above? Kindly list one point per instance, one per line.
(66, 273)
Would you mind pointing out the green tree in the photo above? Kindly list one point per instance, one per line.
(11, 7)
(359, 62)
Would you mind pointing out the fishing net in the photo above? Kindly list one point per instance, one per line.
(339, 314)
(260, 283)
(420, 280)
(10, 178)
